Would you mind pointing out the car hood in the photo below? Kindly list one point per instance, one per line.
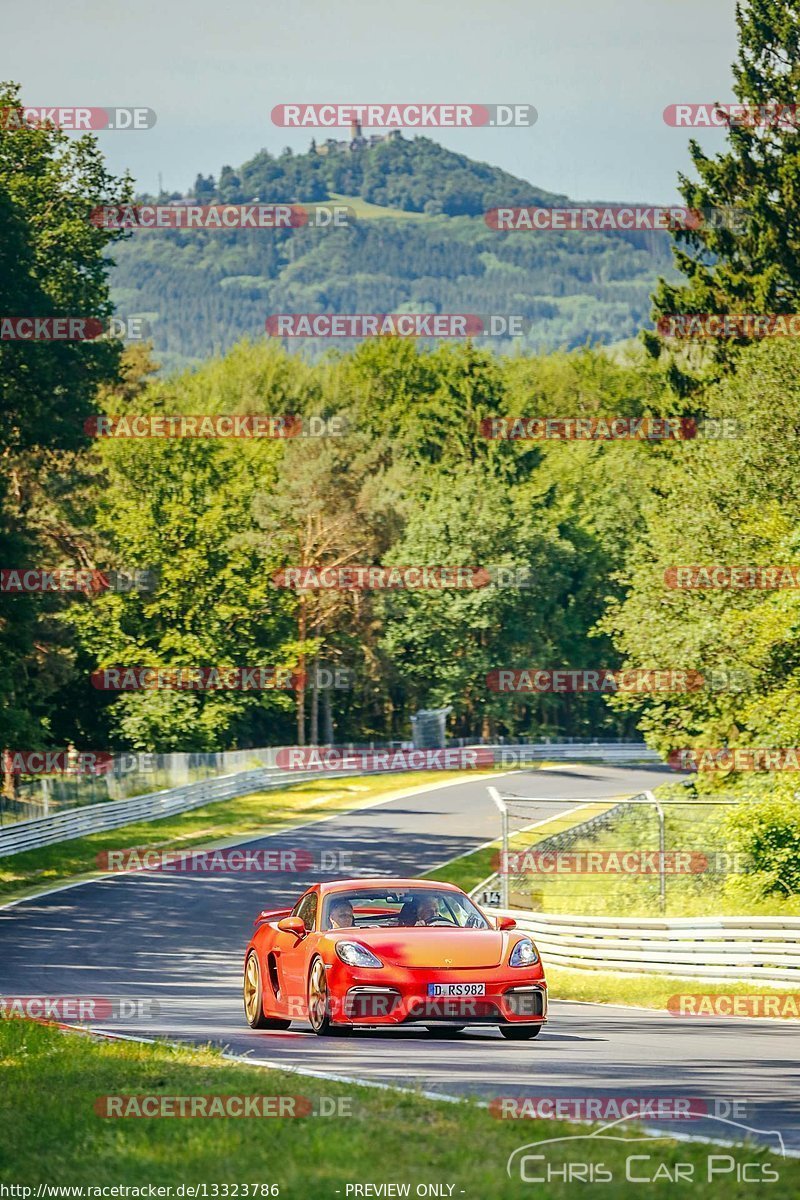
(434, 947)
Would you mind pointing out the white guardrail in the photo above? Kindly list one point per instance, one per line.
(506, 755)
(63, 825)
(97, 818)
(735, 948)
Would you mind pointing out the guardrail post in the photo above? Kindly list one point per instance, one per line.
(662, 846)
(493, 792)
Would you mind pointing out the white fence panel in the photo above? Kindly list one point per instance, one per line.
(735, 948)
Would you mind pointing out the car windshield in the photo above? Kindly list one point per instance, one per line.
(364, 908)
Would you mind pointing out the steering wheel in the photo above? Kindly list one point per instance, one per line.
(441, 921)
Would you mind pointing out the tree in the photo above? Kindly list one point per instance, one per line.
(732, 502)
(52, 263)
(749, 262)
(184, 508)
(318, 514)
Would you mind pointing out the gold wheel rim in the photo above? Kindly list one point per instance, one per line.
(251, 988)
(317, 995)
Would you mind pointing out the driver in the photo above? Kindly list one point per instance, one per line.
(427, 910)
(341, 915)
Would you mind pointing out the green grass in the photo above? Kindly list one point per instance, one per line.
(689, 828)
(364, 211)
(620, 897)
(645, 991)
(223, 821)
(52, 1134)
(469, 870)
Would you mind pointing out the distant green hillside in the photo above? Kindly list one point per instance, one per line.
(418, 243)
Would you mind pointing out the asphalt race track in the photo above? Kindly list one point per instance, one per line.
(179, 939)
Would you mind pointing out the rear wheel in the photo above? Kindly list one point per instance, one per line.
(444, 1031)
(253, 998)
(319, 1003)
(520, 1033)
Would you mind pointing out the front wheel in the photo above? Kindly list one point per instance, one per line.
(319, 1004)
(253, 998)
(521, 1033)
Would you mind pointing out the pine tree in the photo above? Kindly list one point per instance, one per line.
(746, 258)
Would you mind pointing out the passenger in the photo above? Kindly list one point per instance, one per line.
(408, 913)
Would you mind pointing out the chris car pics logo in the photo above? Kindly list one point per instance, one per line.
(584, 1158)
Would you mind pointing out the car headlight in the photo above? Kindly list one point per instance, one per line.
(356, 955)
(524, 954)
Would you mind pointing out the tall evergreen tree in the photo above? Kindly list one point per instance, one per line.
(747, 259)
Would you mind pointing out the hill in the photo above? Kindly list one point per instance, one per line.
(418, 243)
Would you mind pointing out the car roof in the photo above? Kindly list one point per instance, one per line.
(347, 885)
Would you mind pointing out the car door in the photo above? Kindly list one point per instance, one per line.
(293, 956)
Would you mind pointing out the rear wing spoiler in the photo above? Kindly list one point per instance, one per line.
(271, 914)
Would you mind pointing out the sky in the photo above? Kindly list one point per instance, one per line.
(599, 75)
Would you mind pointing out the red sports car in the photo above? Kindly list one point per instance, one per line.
(377, 952)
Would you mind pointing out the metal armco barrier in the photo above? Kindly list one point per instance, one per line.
(71, 823)
(611, 752)
(763, 949)
(97, 818)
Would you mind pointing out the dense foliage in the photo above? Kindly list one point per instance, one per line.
(52, 264)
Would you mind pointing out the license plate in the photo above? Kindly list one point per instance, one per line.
(456, 989)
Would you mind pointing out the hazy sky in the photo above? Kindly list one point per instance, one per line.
(600, 75)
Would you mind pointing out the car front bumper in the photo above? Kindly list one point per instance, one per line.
(400, 997)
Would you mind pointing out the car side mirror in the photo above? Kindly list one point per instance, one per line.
(294, 925)
(502, 923)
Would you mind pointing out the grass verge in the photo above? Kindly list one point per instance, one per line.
(607, 987)
(469, 870)
(653, 991)
(54, 1135)
(214, 824)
